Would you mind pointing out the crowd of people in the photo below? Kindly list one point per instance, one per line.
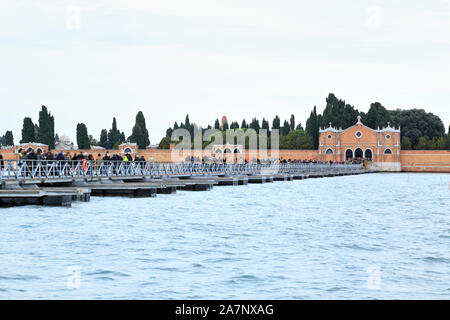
(39, 155)
(116, 157)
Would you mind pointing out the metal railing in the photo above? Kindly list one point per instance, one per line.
(69, 169)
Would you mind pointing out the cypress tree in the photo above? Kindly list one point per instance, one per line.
(244, 124)
(265, 125)
(225, 126)
(285, 129)
(115, 137)
(82, 137)
(276, 123)
(234, 125)
(292, 123)
(46, 130)
(217, 124)
(312, 127)
(169, 132)
(9, 138)
(28, 131)
(139, 134)
(104, 138)
(255, 125)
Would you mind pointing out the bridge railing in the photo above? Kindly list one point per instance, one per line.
(65, 169)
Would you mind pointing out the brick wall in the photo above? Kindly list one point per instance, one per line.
(425, 160)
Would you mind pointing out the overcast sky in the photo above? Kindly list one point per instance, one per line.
(88, 61)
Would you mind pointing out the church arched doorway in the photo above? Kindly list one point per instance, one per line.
(368, 154)
(349, 154)
(359, 153)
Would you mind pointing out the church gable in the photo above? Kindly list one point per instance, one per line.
(359, 134)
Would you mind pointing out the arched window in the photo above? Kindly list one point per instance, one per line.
(359, 153)
(368, 154)
(329, 151)
(39, 150)
(29, 149)
(20, 150)
(388, 151)
(237, 151)
(349, 154)
(127, 150)
(228, 150)
(218, 151)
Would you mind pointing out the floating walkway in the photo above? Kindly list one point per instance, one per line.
(61, 183)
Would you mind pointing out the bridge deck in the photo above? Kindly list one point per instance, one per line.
(58, 184)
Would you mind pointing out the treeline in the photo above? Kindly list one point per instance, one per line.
(44, 132)
(420, 130)
(292, 136)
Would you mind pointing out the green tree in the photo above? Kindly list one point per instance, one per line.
(244, 124)
(406, 143)
(217, 124)
(139, 133)
(447, 140)
(9, 138)
(93, 141)
(169, 132)
(46, 130)
(82, 137)
(265, 125)
(164, 143)
(377, 116)
(234, 125)
(312, 127)
(115, 137)
(104, 138)
(28, 131)
(292, 123)
(297, 140)
(285, 129)
(225, 126)
(417, 123)
(255, 125)
(276, 123)
(424, 144)
(338, 113)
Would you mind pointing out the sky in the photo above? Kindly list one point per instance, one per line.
(90, 61)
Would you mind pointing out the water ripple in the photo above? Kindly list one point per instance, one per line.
(310, 239)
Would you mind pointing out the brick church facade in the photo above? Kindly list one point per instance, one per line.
(381, 146)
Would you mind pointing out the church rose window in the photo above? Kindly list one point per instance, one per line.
(359, 134)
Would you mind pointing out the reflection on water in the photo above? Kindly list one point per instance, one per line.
(374, 236)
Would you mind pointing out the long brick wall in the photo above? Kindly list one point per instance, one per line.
(411, 161)
(425, 160)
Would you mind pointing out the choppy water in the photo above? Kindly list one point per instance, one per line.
(374, 236)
